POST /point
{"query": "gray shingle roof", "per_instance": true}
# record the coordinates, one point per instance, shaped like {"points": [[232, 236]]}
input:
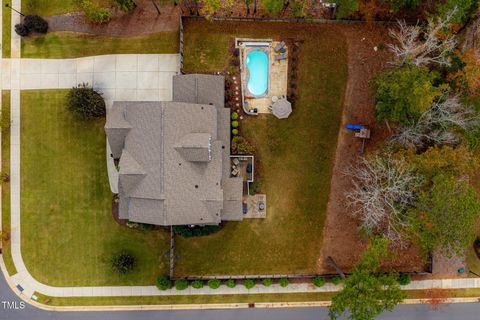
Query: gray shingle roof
{"points": [[174, 156]]}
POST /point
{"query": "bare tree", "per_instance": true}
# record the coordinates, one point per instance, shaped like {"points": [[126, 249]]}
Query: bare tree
{"points": [[423, 47], [437, 125], [383, 190]]}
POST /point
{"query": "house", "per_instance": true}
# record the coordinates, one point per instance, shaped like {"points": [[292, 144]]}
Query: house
{"points": [[174, 166]]}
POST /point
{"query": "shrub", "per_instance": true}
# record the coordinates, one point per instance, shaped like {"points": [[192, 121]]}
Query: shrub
{"points": [[396, 5], [241, 146], [181, 284], [230, 283], [95, 14], [235, 124], [123, 262], [267, 282], [346, 8], [249, 283], [86, 102], [125, 5], [21, 30], [214, 283], [235, 132], [164, 283], [36, 24], [465, 9], [254, 187], [404, 279], [283, 282], [5, 177], [234, 116], [197, 284], [196, 231], [318, 281], [336, 280]]}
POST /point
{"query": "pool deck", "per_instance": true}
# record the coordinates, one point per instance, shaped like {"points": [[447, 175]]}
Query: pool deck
{"points": [[277, 84]]}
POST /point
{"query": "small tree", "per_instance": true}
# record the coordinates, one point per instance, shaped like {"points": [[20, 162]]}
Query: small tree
{"points": [[86, 102], [123, 262], [366, 294], [404, 94], [445, 216], [164, 283]]}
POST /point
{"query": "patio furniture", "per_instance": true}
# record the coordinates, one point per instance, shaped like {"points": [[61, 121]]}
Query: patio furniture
{"points": [[236, 161], [282, 109], [280, 46], [282, 56], [274, 99]]}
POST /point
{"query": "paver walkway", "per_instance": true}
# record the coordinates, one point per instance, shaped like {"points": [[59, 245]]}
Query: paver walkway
{"points": [[123, 77]]}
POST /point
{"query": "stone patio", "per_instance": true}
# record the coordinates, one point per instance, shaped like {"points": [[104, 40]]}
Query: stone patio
{"points": [[253, 207]]}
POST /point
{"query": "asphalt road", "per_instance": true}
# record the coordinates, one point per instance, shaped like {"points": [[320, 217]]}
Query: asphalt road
{"points": [[467, 311]]}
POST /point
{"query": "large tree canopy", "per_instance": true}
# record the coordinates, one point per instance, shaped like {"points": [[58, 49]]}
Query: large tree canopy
{"points": [[445, 215], [367, 293], [403, 94]]}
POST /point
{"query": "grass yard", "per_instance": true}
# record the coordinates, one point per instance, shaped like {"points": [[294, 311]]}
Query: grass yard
{"points": [[68, 232], [5, 114], [73, 45], [6, 31], [295, 155], [53, 7]]}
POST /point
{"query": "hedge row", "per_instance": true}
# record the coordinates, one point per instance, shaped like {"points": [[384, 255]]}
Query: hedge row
{"points": [[164, 283]]}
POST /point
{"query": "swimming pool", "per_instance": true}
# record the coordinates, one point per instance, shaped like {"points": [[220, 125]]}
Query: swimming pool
{"points": [[257, 64]]}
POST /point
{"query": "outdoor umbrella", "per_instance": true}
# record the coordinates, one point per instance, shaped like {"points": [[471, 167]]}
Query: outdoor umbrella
{"points": [[282, 108]]}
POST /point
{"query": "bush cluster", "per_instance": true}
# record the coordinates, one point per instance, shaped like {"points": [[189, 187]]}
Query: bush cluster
{"points": [[249, 283], [230, 283], [241, 146], [196, 231], [125, 5], [124, 262], [336, 280], [197, 284], [164, 283], [214, 283], [404, 279], [181, 284], [95, 14], [318, 281], [86, 102], [283, 282], [267, 282], [31, 23]]}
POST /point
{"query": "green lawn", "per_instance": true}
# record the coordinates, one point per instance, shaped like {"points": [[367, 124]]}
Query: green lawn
{"points": [[5, 114], [193, 299], [6, 31], [295, 155], [72, 45], [53, 7], [68, 233], [210, 299]]}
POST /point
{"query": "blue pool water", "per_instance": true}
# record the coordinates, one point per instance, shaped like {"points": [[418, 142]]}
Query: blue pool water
{"points": [[257, 64]]}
